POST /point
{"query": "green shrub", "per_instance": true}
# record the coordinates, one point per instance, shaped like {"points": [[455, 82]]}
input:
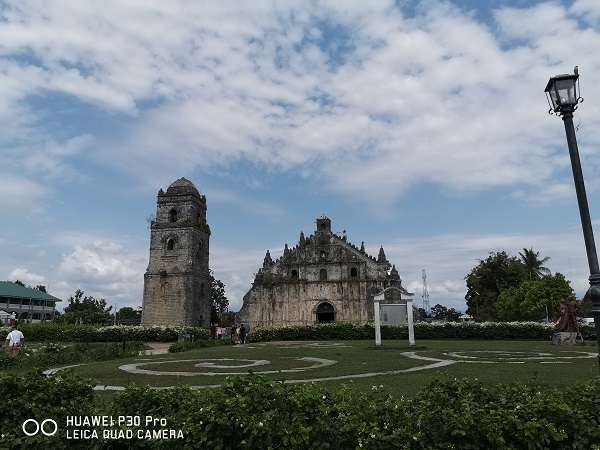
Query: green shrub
{"points": [[39, 397], [65, 354], [249, 412], [91, 333], [422, 330], [252, 413]]}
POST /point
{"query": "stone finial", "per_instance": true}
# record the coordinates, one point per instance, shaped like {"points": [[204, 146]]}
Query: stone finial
{"points": [[302, 240], [394, 273], [381, 257], [344, 236], [268, 262], [286, 250], [362, 246]]}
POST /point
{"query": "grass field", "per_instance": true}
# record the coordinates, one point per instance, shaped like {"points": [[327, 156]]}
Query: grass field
{"points": [[395, 366]]}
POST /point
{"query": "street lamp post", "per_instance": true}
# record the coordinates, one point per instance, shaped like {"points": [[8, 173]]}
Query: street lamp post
{"points": [[562, 92]]}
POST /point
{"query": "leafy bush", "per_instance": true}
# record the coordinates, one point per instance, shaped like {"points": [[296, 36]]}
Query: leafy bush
{"points": [[422, 330], [119, 333], [39, 397], [55, 355], [250, 412]]}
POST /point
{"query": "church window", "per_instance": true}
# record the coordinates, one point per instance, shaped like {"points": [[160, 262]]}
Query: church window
{"points": [[353, 272], [173, 215], [294, 274], [323, 254], [170, 244], [323, 275]]}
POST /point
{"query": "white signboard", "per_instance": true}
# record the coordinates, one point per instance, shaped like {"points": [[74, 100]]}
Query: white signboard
{"points": [[393, 314]]}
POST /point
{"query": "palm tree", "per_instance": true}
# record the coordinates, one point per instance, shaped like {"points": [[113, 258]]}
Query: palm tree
{"points": [[533, 264]]}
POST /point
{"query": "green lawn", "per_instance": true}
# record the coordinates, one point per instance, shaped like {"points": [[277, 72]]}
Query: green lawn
{"points": [[358, 363]]}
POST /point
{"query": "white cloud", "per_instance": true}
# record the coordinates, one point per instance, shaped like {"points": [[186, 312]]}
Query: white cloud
{"points": [[92, 264], [20, 197], [26, 277]]}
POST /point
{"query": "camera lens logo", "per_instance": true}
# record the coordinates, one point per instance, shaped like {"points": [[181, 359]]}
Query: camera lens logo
{"points": [[48, 427]]}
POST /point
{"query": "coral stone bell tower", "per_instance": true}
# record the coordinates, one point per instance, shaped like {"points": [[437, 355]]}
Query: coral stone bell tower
{"points": [[177, 282]]}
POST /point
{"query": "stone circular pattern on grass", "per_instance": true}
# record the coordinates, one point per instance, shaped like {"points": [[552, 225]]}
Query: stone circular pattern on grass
{"points": [[206, 363], [483, 356], [231, 363]]}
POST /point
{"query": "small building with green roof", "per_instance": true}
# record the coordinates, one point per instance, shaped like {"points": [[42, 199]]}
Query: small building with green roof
{"points": [[25, 303]]}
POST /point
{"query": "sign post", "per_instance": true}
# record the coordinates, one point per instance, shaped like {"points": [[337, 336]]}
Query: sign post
{"points": [[407, 317]]}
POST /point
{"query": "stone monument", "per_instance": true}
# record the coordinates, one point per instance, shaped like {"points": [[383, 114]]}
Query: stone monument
{"points": [[566, 330]]}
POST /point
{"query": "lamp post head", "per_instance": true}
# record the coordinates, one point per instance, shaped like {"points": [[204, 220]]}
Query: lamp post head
{"points": [[562, 92]]}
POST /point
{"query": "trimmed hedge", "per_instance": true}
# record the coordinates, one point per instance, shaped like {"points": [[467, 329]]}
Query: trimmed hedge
{"points": [[50, 354], [251, 413], [422, 330], [119, 333]]}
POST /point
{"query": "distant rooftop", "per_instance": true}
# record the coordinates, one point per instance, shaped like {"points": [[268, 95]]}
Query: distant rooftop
{"points": [[14, 290]]}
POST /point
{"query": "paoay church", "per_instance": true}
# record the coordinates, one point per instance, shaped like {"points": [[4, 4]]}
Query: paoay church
{"points": [[324, 278]]}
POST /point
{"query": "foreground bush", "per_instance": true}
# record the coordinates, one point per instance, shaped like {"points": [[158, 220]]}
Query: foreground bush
{"points": [[39, 397], [252, 413], [423, 330]]}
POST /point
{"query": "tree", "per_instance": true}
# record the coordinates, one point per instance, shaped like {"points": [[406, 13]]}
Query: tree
{"points": [[129, 315], [41, 287], [219, 302], [86, 310], [533, 264], [228, 318], [440, 312], [20, 283], [488, 280], [533, 300], [421, 314]]}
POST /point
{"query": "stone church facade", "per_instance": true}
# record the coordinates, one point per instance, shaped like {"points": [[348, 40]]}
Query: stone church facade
{"points": [[324, 278], [177, 283]]}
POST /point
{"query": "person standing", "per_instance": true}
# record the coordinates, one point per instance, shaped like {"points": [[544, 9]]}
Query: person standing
{"points": [[14, 340], [242, 334]]}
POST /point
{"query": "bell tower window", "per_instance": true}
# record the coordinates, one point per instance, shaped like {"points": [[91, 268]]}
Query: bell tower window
{"points": [[323, 275], [173, 215], [170, 244]]}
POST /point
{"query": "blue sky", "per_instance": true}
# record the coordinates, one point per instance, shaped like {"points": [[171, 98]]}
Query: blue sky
{"points": [[419, 126]]}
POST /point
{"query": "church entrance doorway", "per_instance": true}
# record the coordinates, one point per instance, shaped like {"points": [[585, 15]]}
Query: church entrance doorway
{"points": [[325, 313]]}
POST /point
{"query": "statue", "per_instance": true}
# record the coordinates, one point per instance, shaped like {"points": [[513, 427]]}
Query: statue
{"points": [[567, 322]]}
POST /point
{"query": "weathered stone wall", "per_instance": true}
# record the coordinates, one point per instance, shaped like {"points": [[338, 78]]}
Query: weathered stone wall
{"points": [[296, 303], [177, 281], [322, 274]]}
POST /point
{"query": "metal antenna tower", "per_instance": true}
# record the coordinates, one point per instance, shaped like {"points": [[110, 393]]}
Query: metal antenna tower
{"points": [[425, 294]]}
